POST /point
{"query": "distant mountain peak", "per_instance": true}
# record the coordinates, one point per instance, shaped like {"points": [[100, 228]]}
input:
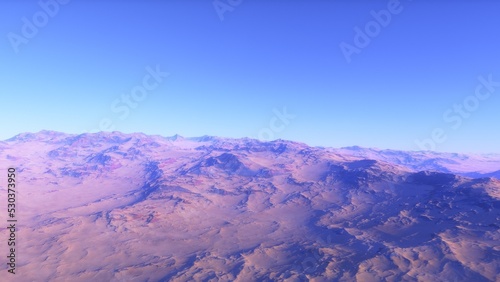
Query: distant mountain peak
{"points": [[43, 135], [176, 137]]}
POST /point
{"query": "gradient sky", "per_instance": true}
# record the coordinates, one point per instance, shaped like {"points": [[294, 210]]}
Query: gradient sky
{"points": [[227, 76]]}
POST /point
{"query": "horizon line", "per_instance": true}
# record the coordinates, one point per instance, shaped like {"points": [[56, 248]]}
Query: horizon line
{"points": [[250, 138]]}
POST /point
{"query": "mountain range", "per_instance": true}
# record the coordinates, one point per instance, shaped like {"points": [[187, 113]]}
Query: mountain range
{"points": [[111, 206]]}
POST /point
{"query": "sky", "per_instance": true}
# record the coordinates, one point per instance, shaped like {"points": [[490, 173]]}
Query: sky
{"points": [[410, 75]]}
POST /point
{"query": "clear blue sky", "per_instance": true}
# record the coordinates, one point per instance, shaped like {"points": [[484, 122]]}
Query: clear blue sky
{"points": [[227, 76]]}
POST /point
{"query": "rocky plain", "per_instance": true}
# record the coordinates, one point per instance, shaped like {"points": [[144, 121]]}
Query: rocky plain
{"points": [[136, 207]]}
